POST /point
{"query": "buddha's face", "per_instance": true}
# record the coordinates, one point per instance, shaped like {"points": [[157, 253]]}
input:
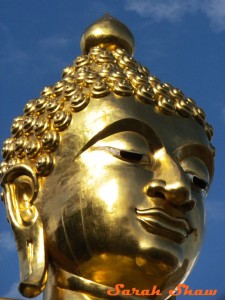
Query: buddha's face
{"points": [[125, 202]]}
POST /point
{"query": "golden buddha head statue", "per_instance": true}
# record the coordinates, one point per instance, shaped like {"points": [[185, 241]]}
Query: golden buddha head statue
{"points": [[105, 176]]}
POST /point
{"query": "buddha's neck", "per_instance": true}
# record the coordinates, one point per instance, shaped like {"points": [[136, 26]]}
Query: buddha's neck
{"points": [[66, 286], [62, 285]]}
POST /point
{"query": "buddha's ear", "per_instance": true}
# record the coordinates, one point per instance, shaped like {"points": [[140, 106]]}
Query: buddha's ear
{"points": [[20, 190]]}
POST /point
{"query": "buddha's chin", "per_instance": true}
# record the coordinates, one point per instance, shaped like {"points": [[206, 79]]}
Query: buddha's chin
{"points": [[143, 271], [158, 266], [158, 263]]}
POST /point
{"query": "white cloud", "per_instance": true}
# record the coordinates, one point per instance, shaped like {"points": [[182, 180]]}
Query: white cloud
{"points": [[10, 53], [52, 50], [215, 11], [46, 49], [14, 293], [16, 55], [7, 242], [174, 10], [170, 10], [54, 41], [215, 210]]}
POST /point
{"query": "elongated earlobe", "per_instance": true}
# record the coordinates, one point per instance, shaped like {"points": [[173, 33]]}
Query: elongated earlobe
{"points": [[20, 187]]}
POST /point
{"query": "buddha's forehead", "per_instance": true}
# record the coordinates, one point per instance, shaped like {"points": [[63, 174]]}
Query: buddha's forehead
{"points": [[172, 130]]}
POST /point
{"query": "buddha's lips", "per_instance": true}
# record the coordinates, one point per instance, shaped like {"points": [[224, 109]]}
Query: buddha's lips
{"points": [[159, 222]]}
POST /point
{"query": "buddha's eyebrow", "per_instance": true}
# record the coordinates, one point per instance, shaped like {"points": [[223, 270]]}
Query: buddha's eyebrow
{"points": [[127, 124], [197, 150]]}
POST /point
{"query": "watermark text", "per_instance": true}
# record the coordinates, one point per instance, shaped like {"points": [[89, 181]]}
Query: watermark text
{"points": [[181, 289]]}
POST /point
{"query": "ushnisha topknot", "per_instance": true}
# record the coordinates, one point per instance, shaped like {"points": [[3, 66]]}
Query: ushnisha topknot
{"points": [[105, 68]]}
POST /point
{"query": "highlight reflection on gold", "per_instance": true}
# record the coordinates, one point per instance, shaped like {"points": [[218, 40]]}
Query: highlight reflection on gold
{"points": [[109, 193]]}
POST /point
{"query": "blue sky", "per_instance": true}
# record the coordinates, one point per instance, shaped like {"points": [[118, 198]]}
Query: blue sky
{"points": [[182, 42]]}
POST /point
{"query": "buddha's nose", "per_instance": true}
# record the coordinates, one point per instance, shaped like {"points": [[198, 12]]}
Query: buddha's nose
{"points": [[170, 182]]}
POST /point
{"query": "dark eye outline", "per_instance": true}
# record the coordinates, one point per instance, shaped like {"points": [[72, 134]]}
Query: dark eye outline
{"points": [[126, 155], [198, 183]]}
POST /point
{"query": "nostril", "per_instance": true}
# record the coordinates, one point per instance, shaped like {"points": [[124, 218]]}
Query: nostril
{"points": [[158, 194], [156, 189]]}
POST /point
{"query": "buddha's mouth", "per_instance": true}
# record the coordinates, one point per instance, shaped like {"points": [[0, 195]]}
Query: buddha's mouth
{"points": [[160, 223]]}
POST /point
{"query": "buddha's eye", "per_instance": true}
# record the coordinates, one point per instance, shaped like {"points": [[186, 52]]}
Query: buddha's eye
{"points": [[129, 156], [198, 183], [134, 156]]}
